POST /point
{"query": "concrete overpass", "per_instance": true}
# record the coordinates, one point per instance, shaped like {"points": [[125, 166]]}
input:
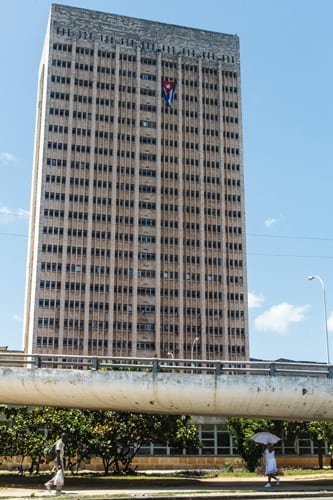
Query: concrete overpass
{"points": [[279, 390]]}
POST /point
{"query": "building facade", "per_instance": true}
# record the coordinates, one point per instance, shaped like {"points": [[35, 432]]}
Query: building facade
{"points": [[137, 230]]}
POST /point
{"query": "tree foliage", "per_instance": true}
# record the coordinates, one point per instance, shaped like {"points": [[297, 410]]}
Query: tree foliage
{"points": [[241, 430], [117, 437], [114, 437]]}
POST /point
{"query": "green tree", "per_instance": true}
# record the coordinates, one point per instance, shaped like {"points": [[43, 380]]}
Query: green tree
{"points": [[117, 437], [241, 430], [178, 433], [6, 436], [78, 425], [321, 432], [24, 431], [104, 438]]}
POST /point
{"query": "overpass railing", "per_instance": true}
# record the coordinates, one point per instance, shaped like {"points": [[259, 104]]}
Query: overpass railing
{"points": [[157, 365]]}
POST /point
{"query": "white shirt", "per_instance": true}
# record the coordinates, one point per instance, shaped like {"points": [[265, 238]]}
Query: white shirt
{"points": [[60, 446]]}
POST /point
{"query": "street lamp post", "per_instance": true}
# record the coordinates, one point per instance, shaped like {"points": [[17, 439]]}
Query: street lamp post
{"points": [[193, 344], [172, 357], [192, 351], [325, 313]]}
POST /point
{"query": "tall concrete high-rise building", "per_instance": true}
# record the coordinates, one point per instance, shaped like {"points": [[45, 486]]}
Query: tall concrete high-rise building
{"points": [[137, 233]]}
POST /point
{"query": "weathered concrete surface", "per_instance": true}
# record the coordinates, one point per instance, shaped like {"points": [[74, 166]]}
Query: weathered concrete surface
{"points": [[284, 397]]}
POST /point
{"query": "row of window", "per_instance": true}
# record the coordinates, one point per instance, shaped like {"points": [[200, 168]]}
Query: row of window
{"points": [[145, 44], [131, 138], [232, 297], [165, 174], [101, 101], [143, 188], [101, 200], [122, 344], [130, 220], [172, 224], [84, 115], [80, 82], [64, 47], [78, 343], [74, 268], [141, 309], [82, 250], [83, 148], [70, 342], [165, 328], [103, 235], [142, 273], [83, 132], [121, 203], [124, 289], [72, 323], [149, 62], [146, 327], [103, 252], [187, 259]]}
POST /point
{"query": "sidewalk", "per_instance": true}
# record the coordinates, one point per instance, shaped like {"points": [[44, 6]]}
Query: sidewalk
{"points": [[198, 489]]}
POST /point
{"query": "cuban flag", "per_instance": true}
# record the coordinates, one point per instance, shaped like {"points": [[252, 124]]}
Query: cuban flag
{"points": [[168, 89]]}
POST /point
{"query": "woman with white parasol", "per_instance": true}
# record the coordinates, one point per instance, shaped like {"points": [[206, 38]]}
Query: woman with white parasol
{"points": [[269, 454], [270, 465]]}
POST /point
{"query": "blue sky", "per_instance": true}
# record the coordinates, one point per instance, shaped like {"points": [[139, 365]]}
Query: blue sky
{"points": [[287, 73]]}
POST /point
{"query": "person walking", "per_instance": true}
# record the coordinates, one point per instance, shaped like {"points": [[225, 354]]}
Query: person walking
{"points": [[58, 479], [270, 465]]}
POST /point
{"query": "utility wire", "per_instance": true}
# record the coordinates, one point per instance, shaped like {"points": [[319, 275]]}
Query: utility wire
{"points": [[289, 237], [14, 234], [290, 255]]}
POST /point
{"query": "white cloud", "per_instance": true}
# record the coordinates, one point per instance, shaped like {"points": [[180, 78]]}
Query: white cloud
{"points": [[17, 318], [21, 212], [9, 215], [278, 318], [255, 300], [330, 322], [6, 158], [270, 222]]}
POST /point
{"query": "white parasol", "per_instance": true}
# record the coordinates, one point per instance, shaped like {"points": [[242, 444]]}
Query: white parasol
{"points": [[265, 438]]}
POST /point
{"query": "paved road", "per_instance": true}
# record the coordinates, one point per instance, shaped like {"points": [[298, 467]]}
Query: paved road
{"points": [[189, 488]]}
